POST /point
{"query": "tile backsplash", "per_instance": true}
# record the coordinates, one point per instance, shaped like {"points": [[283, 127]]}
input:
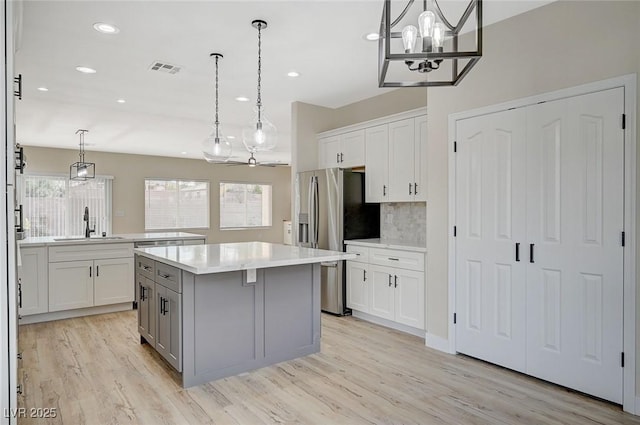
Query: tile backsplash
{"points": [[405, 221]]}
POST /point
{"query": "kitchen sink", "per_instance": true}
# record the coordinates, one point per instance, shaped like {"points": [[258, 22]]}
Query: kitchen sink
{"points": [[93, 238]]}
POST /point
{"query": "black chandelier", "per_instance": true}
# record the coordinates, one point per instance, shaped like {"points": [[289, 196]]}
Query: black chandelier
{"points": [[82, 170], [435, 45]]}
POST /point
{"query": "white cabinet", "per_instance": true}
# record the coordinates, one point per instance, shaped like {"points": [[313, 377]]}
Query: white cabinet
{"points": [[357, 286], [387, 283], [33, 285], [394, 161], [112, 282], [70, 285], [90, 275], [376, 184], [344, 150]]}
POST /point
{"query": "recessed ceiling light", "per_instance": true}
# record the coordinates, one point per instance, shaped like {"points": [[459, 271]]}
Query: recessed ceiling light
{"points": [[372, 36], [293, 74], [231, 137], [105, 28], [121, 101], [85, 70], [242, 99], [43, 89], [183, 153]]}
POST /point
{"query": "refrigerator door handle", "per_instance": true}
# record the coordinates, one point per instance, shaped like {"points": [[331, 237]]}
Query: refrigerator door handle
{"points": [[316, 211], [311, 212]]}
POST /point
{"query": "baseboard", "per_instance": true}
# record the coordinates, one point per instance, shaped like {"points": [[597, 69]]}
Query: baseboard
{"points": [[69, 314], [437, 343], [388, 323]]}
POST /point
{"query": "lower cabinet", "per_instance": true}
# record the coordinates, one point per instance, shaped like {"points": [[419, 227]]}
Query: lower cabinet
{"points": [[169, 326], [393, 293], [33, 283], [159, 290], [70, 285], [146, 308], [112, 282]]}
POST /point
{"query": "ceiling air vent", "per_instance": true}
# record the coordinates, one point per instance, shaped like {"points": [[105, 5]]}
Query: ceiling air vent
{"points": [[164, 67]]}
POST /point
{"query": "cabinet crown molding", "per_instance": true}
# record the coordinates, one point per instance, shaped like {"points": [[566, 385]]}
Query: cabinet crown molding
{"points": [[374, 122]]}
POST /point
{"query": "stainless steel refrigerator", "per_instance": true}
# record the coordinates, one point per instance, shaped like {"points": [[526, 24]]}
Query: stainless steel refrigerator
{"points": [[331, 208]]}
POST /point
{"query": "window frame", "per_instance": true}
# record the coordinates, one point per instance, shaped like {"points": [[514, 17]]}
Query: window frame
{"points": [[20, 195], [178, 180], [222, 229]]}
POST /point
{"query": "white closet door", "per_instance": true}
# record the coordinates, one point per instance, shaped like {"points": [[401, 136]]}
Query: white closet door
{"points": [[574, 221], [490, 220]]}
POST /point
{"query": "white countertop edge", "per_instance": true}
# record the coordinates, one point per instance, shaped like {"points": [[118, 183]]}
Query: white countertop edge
{"points": [[378, 243], [246, 266], [126, 238]]}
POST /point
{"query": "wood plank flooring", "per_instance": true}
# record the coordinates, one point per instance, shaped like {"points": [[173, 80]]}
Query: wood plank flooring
{"points": [[94, 371]]}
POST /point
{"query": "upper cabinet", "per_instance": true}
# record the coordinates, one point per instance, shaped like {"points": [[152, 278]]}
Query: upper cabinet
{"points": [[344, 150], [392, 149]]}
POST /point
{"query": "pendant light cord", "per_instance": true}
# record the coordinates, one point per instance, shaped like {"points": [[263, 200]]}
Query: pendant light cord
{"points": [[81, 154], [217, 121], [259, 100]]}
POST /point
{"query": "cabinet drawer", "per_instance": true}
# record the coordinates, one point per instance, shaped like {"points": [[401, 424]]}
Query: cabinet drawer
{"points": [[145, 267], [168, 276], [361, 252], [394, 258], [97, 251]]}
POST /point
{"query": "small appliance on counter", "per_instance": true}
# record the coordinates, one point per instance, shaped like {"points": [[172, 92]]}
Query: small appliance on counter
{"points": [[331, 208]]}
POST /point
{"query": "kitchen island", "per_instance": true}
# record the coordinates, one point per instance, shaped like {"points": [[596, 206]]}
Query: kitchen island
{"points": [[218, 310]]}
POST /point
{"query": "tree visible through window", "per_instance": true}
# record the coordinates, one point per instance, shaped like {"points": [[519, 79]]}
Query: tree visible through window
{"points": [[245, 205], [176, 204]]}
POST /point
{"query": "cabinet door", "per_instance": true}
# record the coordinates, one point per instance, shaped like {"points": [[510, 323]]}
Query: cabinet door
{"points": [[352, 154], [381, 292], [376, 164], [34, 283], [169, 329], [147, 309], [401, 160], [112, 282], [329, 152], [357, 286], [420, 160], [70, 285], [409, 297]]}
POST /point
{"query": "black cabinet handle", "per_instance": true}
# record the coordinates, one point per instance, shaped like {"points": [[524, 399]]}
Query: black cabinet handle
{"points": [[364, 275], [97, 271], [531, 260], [341, 157], [394, 259], [395, 281], [161, 306], [18, 226], [18, 81], [90, 272], [141, 292], [338, 158], [390, 283], [164, 301], [19, 293], [410, 189], [384, 190], [517, 251], [415, 188]]}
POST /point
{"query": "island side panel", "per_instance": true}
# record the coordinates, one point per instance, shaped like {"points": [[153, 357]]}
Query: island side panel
{"points": [[223, 320], [292, 312]]}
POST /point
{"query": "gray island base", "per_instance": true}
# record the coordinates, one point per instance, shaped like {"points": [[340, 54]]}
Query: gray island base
{"points": [[210, 323]]}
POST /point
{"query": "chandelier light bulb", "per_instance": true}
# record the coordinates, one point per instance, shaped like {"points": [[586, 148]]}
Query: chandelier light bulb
{"points": [[260, 135], [409, 37], [82, 171], [216, 147], [438, 36], [426, 20]]}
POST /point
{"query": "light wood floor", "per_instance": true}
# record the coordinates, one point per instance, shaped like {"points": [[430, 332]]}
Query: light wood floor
{"points": [[94, 371]]}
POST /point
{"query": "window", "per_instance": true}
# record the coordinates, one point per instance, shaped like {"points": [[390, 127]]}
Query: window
{"points": [[54, 205], [176, 204], [245, 205]]}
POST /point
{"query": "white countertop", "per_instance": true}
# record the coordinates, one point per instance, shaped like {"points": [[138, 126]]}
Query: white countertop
{"points": [[123, 238], [387, 243], [226, 257]]}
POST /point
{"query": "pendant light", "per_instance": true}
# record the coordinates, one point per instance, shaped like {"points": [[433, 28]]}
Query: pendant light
{"points": [[261, 134], [82, 170], [216, 147]]}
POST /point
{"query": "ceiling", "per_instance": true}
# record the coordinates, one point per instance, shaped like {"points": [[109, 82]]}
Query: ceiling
{"points": [[170, 115]]}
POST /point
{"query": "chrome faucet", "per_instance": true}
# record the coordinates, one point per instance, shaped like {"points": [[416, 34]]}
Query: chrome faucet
{"points": [[87, 230]]}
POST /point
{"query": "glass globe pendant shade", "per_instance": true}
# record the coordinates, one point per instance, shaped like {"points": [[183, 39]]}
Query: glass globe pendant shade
{"points": [[260, 135], [216, 147]]}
